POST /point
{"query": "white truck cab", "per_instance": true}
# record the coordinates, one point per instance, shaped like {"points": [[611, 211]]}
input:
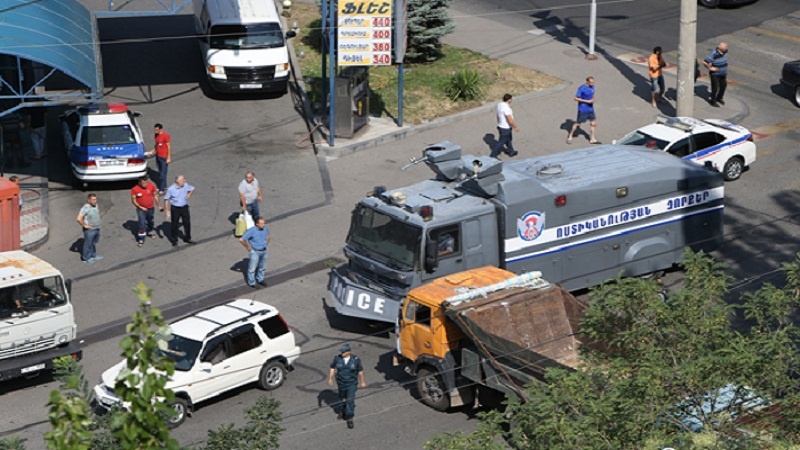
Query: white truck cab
{"points": [[243, 45], [37, 323]]}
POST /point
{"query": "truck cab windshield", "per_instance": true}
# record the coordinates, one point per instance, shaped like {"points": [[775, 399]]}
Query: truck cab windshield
{"points": [[32, 296], [263, 35], [395, 242]]}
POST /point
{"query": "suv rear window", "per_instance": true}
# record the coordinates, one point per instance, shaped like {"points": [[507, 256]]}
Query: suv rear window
{"points": [[274, 326], [244, 339]]}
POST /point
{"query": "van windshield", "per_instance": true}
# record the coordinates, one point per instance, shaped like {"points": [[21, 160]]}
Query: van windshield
{"points": [[33, 296], [262, 35]]}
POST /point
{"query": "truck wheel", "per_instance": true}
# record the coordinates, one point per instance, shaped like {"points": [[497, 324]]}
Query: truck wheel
{"points": [[797, 96], [272, 376], [733, 169], [181, 408], [431, 389]]}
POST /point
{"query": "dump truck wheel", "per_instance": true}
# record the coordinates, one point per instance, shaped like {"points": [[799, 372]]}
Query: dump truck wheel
{"points": [[432, 390]]}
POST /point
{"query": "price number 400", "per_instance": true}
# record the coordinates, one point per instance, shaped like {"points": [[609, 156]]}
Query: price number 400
{"points": [[381, 34]]}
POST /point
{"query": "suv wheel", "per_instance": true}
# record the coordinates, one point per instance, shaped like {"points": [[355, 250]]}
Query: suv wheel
{"points": [[181, 408], [272, 375]]}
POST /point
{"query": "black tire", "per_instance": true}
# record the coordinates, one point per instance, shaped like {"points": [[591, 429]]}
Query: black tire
{"points": [[709, 3], [796, 96], [733, 169], [432, 390], [272, 375], [181, 408]]}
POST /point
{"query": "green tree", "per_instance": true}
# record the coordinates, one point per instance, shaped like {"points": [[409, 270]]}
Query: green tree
{"points": [[262, 431], [662, 370], [427, 23], [141, 385]]}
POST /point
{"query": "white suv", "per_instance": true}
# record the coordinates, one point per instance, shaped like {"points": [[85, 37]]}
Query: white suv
{"points": [[219, 349]]}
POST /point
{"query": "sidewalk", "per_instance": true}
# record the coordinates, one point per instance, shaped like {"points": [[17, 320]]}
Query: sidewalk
{"points": [[622, 86]]}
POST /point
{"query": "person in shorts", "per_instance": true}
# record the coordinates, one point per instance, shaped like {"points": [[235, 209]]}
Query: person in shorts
{"points": [[585, 99]]}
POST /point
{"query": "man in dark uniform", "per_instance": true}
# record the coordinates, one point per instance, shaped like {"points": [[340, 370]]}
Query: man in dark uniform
{"points": [[349, 371]]}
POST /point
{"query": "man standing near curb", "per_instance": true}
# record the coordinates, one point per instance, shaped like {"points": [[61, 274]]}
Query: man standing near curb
{"points": [[89, 220], [349, 371], [163, 152], [176, 204], [144, 198], [256, 240], [656, 63], [717, 65], [505, 121]]}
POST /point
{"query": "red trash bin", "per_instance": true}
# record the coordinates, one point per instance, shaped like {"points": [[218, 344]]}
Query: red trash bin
{"points": [[9, 215]]}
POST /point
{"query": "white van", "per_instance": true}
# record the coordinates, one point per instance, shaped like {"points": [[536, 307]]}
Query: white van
{"points": [[243, 45]]}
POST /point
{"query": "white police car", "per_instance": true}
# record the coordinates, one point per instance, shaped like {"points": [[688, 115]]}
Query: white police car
{"points": [[728, 147], [104, 142], [216, 350]]}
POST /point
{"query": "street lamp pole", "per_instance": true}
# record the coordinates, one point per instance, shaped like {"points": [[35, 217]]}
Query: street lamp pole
{"points": [[687, 58], [592, 29]]}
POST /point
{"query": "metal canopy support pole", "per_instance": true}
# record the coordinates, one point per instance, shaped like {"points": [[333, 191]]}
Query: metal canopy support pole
{"points": [[331, 70]]}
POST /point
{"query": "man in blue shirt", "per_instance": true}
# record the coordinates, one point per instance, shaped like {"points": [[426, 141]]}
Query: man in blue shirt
{"points": [[176, 203], [717, 65], [585, 99], [255, 240]]}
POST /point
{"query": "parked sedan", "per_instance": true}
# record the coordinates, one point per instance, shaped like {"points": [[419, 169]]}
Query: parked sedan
{"points": [[790, 78], [725, 146], [715, 3]]}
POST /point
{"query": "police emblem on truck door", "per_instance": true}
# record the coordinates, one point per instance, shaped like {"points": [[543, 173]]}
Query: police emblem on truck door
{"points": [[530, 226]]}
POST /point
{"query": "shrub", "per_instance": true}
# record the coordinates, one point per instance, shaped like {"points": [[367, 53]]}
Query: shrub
{"points": [[466, 84]]}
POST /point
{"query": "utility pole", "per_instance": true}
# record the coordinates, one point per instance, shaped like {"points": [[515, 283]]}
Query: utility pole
{"points": [[592, 30], [687, 57]]}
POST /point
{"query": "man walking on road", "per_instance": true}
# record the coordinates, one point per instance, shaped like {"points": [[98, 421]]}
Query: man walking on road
{"points": [[250, 195], [256, 240], [176, 203], [717, 65], [144, 198], [163, 153], [89, 219], [656, 63], [349, 371], [505, 122], [585, 99]]}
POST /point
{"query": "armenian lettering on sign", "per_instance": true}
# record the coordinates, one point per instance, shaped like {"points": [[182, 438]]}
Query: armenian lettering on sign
{"points": [[365, 33]]}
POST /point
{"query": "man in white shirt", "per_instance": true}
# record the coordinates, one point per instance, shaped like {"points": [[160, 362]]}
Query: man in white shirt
{"points": [[505, 122], [250, 195]]}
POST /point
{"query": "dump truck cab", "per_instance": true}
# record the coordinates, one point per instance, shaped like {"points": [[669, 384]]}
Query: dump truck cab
{"points": [[485, 328]]}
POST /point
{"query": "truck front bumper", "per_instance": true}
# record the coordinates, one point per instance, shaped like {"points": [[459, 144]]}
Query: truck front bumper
{"points": [[351, 299], [31, 364]]}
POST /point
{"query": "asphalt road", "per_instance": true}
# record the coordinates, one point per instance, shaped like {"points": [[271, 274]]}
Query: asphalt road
{"points": [[640, 24], [216, 140]]}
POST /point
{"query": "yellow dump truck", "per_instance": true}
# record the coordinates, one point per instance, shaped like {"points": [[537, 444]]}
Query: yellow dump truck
{"points": [[486, 329]]}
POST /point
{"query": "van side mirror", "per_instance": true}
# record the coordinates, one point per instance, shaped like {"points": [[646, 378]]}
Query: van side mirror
{"points": [[431, 255], [290, 34], [68, 284]]}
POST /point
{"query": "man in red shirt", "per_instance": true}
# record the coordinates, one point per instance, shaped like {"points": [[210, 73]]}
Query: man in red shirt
{"points": [[144, 198], [163, 152]]}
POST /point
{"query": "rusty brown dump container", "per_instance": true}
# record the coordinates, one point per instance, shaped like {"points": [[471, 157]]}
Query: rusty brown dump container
{"points": [[523, 330]]}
